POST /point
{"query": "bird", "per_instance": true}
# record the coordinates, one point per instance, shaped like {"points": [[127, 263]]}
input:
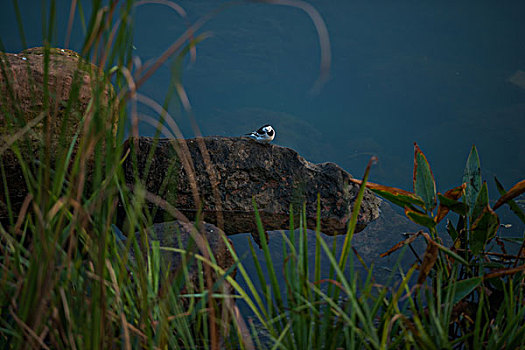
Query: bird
{"points": [[264, 134]]}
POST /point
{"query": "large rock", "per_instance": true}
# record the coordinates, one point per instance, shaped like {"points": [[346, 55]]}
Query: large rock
{"points": [[275, 177], [24, 108], [70, 80]]}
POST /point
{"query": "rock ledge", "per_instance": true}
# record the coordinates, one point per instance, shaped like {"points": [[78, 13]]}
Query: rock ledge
{"points": [[276, 177]]}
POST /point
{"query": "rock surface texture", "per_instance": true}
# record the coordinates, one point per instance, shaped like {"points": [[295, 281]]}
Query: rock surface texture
{"points": [[27, 107], [241, 169], [70, 84]]}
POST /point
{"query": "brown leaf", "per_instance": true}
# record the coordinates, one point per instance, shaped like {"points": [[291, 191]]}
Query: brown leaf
{"points": [[503, 272], [442, 212], [374, 186], [361, 260], [429, 259], [515, 191], [401, 244], [501, 245], [395, 195], [454, 193]]}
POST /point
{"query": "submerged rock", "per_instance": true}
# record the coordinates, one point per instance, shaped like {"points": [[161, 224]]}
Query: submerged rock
{"points": [[518, 79], [181, 235], [240, 172]]}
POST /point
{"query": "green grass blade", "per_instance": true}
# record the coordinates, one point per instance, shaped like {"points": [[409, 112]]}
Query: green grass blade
{"points": [[353, 219]]}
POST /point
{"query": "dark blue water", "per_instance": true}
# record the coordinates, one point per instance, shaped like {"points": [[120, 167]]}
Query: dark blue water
{"points": [[438, 73]]}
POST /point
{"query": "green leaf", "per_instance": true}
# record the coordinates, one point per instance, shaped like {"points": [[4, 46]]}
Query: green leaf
{"points": [[449, 201], [461, 226], [463, 288], [451, 230], [483, 229], [453, 255], [472, 177], [420, 218], [454, 205], [354, 216], [481, 202], [497, 283], [154, 266], [424, 184]]}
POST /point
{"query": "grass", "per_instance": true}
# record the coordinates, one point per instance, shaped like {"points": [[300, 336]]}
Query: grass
{"points": [[67, 279]]}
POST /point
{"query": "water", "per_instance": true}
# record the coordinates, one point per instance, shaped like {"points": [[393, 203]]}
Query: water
{"points": [[435, 73], [438, 73]]}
